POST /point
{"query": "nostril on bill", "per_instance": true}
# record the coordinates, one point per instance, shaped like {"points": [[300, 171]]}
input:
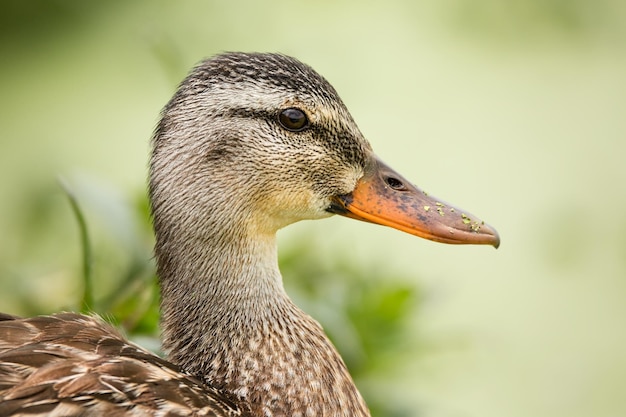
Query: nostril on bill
{"points": [[395, 183]]}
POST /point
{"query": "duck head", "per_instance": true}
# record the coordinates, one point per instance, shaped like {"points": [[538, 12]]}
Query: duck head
{"points": [[262, 141]]}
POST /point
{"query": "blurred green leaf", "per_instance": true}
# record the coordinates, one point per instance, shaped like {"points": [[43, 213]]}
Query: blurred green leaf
{"points": [[87, 299]]}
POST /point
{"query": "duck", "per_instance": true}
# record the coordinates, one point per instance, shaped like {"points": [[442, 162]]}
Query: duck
{"points": [[248, 144]]}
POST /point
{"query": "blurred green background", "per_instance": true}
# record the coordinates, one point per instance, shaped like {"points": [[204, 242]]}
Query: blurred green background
{"points": [[515, 111]]}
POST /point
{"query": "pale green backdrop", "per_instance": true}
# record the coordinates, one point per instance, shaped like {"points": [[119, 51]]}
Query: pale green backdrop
{"points": [[515, 111]]}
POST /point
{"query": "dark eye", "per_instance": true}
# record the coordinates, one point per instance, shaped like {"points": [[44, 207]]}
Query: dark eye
{"points": [[293, 119]]}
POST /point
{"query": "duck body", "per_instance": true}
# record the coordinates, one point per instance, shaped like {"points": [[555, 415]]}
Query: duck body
{"points": [[250, 143]]}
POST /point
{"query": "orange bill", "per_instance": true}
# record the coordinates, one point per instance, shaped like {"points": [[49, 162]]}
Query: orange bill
{"points": [[384, 197]]}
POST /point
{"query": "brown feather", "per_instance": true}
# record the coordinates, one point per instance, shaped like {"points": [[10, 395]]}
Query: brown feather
{"points": [[48, 363]]}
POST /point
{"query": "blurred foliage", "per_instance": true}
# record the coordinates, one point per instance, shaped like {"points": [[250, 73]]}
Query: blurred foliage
{"points": [[34, 17], [365, 311], [496, 20], [529, 20]]}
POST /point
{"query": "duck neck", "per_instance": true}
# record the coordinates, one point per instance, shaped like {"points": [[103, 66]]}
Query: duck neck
{"points": [[227, 319]]}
